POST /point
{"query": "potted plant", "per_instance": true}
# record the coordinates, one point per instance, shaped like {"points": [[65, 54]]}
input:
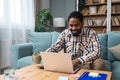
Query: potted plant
{"points": [[81, 4], [44, 21]]}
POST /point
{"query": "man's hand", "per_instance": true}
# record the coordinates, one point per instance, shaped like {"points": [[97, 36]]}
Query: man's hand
{"points": [[75, 62]]}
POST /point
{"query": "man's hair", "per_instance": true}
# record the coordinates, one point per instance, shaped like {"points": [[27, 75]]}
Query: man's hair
{"points": [[76, 14]]}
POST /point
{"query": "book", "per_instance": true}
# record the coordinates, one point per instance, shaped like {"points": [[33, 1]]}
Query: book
{"points": [[116, 21], [105, 22], [85, 22], [113, 9], [118, 18], [113, 22], [102, 9], [85, 76], [85, 11], [104, 30], [117, 8], [115, 0]]}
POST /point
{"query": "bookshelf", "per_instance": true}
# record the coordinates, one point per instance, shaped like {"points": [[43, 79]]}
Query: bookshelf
{"points": [[115, 15], [99, 17]]}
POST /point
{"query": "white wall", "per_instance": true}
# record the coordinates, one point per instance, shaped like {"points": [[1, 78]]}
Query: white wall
{"points": [[62, 8]]}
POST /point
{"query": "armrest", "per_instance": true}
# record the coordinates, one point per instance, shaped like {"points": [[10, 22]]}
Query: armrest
{"points": [[19, 51]]}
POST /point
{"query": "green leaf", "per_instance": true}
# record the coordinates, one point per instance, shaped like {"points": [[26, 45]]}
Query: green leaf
{"points": [[44, 21]]}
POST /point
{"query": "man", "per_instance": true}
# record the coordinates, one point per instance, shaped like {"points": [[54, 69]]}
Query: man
{"points": [[81, 42]]}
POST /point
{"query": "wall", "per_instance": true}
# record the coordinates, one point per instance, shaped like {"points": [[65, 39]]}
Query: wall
{"points": [[62, 8], [45, 4]]}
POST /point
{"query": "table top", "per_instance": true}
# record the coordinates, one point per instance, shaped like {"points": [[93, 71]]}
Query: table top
{"points": [[33, 72]]}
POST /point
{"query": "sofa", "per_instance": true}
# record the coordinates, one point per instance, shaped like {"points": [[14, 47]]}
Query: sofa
{"points": [[40, 41]]}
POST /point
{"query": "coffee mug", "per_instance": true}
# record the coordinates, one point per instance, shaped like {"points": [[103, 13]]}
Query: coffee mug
{"points": [[36, 58]]}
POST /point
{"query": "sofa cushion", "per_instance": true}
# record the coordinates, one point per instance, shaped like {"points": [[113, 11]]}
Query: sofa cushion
{"points": [[116, 70], [54, 36], [103, 45], [116, 51], [113, 40], [41, 40], [108, 66], [24, 61], [116, 66]]}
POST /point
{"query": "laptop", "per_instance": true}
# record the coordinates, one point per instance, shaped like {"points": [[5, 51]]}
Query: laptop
{"points": [[60, 62]]}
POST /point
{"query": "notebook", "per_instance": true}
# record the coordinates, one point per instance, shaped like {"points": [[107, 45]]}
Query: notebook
{"points": [[85, 76], [60, 62]]}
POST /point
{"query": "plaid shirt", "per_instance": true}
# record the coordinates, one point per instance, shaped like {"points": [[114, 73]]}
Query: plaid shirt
{"points": [[85, 47]]}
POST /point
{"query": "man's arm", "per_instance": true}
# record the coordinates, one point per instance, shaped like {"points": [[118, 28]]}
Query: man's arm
{"points": [[95, 53], [58, 46]]}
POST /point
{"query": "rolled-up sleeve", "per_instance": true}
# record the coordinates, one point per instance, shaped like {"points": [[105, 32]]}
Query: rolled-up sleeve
{"points": [[93, 51]]}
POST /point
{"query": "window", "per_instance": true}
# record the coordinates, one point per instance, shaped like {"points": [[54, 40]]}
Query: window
{"points": [[1, 9], [15, 11]]}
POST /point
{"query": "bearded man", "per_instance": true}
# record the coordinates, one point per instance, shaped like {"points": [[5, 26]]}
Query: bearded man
{"points": [[82, 43]]}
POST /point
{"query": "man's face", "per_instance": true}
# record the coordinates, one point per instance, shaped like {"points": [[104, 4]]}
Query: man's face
{"points": [[75, 26]]}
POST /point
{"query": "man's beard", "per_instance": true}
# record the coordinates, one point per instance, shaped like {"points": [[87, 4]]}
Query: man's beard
{"points": [[75, 32]]}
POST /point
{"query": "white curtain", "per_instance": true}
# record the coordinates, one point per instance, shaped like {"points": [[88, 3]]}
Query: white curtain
{"points": [[17, 18]]}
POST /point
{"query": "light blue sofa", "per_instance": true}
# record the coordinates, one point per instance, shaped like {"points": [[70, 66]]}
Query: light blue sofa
{"points": [[40, 41]]}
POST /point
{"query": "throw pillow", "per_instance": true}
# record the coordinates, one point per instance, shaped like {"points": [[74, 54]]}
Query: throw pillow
{"points": [[113, 40], [116, 51], [54, 36], [40, 40]]}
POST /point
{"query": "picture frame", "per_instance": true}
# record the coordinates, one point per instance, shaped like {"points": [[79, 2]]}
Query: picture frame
{"points": [[99, 22], [89, 22], [92, 9]]}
